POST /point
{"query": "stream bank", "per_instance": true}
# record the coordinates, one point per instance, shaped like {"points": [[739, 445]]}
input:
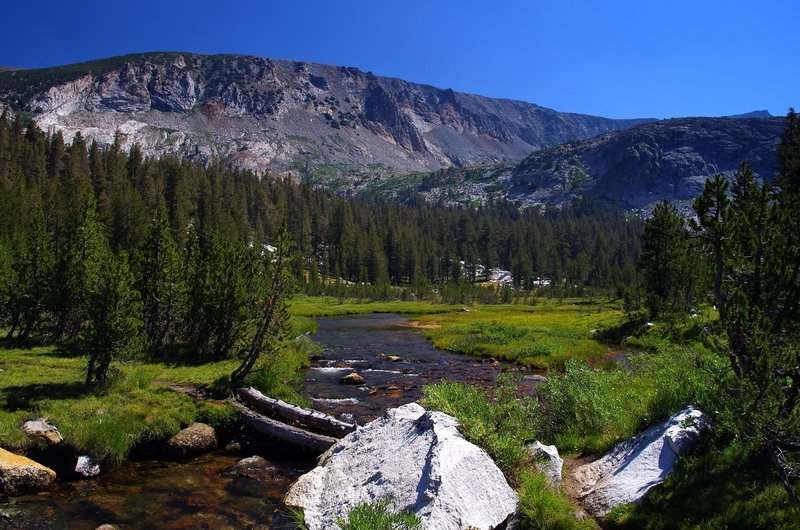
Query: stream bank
{"points": [[395, 362]]}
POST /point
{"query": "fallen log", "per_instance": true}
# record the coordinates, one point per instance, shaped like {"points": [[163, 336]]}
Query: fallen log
{"points": [[293, 435], [280, 409]]}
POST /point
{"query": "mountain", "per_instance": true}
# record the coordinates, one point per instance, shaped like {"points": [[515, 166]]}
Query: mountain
{"points": [[640, 166], [284, 116], [634, 168], [753, 114]]}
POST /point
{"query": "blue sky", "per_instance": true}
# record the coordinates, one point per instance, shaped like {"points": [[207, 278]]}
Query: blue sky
{"points": [[620, 59]]}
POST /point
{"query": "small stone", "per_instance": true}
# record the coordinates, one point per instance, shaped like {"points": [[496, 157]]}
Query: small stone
{"points": [[42, 429], [87, 467], [196, 439], [535, 379], [352, 379], [252, 467], [106, 527], [394, 358]]}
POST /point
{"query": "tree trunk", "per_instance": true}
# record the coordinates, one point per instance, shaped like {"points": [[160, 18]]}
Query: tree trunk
{"points": [[285, 411], [308, 440]]}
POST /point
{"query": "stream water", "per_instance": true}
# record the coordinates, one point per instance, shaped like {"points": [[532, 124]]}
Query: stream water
{"points": [[395, 362]]}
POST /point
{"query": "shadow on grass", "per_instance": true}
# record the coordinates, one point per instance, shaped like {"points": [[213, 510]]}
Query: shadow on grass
{"points": [[176, 356], [15, 398]]}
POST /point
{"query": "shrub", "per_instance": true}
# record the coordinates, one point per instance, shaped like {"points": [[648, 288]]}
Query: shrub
{"points": [[495, 421]]}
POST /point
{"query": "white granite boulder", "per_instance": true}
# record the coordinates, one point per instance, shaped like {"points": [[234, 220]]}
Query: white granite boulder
{"points": [[547, 461], [419, 461], [87, 467], [627, 473]]}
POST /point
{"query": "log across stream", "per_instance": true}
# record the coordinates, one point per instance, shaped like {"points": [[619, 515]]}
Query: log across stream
{"points": [[395, 362]]}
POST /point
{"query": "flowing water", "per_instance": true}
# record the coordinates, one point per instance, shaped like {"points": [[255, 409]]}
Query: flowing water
{"points": [[395, 362]]}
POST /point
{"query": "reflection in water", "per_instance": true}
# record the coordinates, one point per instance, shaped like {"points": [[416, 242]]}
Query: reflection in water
{"points": [[395, 363]]}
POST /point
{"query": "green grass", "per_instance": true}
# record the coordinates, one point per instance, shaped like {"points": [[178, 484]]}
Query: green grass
{"points": [[720, 487], [543, 508], [141, 402], [496, 421], [378, 516], [328, 306], [47, 382], [540, 336]]}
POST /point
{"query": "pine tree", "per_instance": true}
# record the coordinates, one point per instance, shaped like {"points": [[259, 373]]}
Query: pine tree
{"points": [[161, 283], [77, 270], [663, 261], [273, 325], [114, 318]]}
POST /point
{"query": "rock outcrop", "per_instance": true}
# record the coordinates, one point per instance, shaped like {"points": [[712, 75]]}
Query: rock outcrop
{"points": [[19, 475], [642, 165], [196, 439], [627, 473], [418, 460], [264, 114]]}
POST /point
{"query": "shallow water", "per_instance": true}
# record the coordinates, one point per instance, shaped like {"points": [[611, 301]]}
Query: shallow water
{"points": [[370, 346], [199, 494]]}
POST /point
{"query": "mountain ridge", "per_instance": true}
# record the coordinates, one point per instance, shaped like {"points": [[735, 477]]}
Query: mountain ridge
{"points": [[286, 116]]}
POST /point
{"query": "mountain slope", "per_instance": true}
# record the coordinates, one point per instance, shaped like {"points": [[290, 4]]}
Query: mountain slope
{"points": [[642, 165], [634, 168], [306, 118]]}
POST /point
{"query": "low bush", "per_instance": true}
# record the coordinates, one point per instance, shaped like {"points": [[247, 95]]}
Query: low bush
{"points": [[495, 420]]}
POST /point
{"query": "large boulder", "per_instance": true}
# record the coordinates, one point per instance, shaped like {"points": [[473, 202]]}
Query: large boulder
{"points": [[627, 473], [42, 429], [419, 461], [19, 475], [196, 439]]}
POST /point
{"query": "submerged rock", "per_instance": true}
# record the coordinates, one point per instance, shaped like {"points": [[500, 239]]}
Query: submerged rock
{"points": [[196, 439], [19, 475], [42, 429], [418, 460], [548, 461], [352, 379], [634, 466]]}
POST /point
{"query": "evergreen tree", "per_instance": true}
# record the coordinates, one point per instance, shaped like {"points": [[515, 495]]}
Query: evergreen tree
{"points": [[114, 318], [161, 283], [77, 270], [273, 325], [753, 240], [663, 261]]}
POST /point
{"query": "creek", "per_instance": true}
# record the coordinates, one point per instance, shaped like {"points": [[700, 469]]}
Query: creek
{"points": [[395, 362]]}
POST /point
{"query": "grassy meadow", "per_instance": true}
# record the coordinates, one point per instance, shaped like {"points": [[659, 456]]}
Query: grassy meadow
{"points": [[542, 335]]}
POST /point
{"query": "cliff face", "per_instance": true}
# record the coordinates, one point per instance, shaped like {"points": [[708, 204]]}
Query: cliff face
{"points": [[286, 116], [640, 166]]}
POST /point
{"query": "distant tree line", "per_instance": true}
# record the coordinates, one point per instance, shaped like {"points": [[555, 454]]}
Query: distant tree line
{"points": [[127, 253]]}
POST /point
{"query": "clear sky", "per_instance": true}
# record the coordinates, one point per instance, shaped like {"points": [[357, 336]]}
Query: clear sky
{"points": [[614, 58]]}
